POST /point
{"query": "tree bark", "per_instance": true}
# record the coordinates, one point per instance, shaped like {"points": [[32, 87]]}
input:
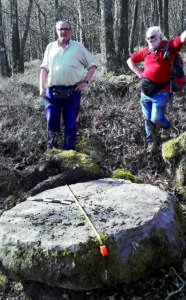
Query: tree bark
{"points": [[55, 18], [5, 70], [123, 52], [18, 45], [81, 23], [134, 20], [15, 37], [107, 36], [43, 36], [116, 22], [166, 19], [23, 41], [160, 14], [156, 17]]}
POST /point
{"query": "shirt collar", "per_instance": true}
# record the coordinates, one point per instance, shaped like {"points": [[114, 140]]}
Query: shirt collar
{"points": [[67, 44]]}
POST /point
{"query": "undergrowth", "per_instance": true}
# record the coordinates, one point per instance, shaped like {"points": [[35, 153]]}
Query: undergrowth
{"points": [[110, 111]]}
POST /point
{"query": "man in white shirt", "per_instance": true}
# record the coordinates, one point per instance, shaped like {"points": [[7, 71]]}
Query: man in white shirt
{"points": [[63, 65]]}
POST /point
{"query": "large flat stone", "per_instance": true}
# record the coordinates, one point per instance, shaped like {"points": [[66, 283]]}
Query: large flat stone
{"points": [[142, 227]]}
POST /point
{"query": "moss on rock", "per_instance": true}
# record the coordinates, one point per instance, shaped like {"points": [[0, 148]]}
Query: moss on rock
{"points": [[181, 173], [121, 77], [7, 252], [182, 191], [85, 267], [72, 159], [180, 220], [123, 174], [91, 146], [174, 147], [3, 280], [149, 255]]}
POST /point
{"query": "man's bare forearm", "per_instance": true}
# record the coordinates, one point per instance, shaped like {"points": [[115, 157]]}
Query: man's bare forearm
{"points": [[134, 68], [43, 76], [90, 73]]}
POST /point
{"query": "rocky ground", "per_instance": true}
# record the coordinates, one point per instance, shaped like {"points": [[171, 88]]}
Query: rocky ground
{"points": [[110, 113]]}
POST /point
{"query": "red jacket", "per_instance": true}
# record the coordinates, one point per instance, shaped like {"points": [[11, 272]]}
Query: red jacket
{"points": [[155, 67]]}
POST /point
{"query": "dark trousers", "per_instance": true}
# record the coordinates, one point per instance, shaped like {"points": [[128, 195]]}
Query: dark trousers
{"points": [[69, 109]]}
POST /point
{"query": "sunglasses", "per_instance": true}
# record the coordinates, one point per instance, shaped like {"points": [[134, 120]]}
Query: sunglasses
{"points": [[151, 37], [64, 29]]}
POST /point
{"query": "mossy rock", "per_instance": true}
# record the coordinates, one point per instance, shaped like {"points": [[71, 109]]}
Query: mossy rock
{"points": [[3, 280], [121, 77], [86, 267], [123, 174], [182, 191], [181, 173], [92, 147], [72, 159], [174, 147]]}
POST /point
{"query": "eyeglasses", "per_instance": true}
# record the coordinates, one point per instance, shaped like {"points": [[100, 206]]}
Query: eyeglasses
{"points": [[151, 37], [64, 29]]}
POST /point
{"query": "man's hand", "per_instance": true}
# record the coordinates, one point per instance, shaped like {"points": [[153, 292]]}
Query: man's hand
{"points": [[42, 93], [80, 86], [183, 37]]}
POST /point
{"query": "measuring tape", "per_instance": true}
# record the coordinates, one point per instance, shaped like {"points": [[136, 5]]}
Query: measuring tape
{"points": [[103, 248]]}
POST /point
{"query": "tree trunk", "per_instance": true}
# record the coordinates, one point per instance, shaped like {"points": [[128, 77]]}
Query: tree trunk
{"points": [[5, 70], [98, 7], [134, 19], [160, 14], [107, 36], [81, 23], [156, 22], [55, 18], [18, 45], [43, 36], [23, 41], [142, 28], [15, 37], [166, 24], [123, 52], [117, 22], [182, 15]]}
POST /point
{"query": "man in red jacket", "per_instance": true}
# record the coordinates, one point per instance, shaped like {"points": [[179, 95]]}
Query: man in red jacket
{"points": [[156, 70]]}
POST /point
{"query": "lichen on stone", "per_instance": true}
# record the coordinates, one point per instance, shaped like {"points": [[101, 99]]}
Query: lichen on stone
{"points": [[73, 159], [123, 174]]}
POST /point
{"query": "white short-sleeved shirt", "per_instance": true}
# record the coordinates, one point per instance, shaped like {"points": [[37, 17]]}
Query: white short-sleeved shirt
{"points": [[66, 66]]}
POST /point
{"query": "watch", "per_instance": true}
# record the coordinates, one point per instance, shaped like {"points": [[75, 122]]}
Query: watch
{"points": [[86, 80]]}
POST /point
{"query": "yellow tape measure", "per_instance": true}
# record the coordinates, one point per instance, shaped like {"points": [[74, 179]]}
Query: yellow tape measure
{"points": [[103, 248]]}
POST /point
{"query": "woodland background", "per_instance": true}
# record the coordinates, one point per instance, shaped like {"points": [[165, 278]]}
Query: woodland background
{"points": [[114, 28]]}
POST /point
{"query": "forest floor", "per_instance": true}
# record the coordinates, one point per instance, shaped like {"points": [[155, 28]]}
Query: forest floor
{"points": [[110, 112]]}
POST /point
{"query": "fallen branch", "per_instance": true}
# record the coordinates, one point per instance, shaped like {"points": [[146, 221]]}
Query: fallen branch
{"points": [[180, 289]]}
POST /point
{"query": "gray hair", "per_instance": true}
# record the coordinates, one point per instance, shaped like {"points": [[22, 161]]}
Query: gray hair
{"points": [[62, 22], [158, 31]]}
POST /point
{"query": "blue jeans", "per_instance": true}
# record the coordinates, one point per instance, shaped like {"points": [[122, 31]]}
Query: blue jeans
{"points": [[153, 109], [70, 109]]}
